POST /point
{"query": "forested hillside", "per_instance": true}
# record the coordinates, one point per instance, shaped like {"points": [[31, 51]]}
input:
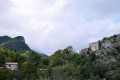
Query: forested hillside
{"points": [[16, 44], [100, 64]]}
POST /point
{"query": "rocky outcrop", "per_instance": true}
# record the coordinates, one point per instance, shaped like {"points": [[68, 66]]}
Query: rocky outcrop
{"points": [[20, 38], [106, 44], [103, 46], [84, 51]]}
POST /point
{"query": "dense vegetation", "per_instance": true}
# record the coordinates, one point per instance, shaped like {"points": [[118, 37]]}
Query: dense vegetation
{"points": [[66, 64], [16, 45], [62, 65], [4, 39]]}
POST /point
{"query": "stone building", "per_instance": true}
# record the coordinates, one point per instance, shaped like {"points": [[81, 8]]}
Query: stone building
{"points": [[94, 46], [11, 65]]}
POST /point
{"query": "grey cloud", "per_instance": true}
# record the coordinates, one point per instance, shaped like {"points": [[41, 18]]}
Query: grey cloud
{"points": [[95, 9], [4, 5], [108, 7]]}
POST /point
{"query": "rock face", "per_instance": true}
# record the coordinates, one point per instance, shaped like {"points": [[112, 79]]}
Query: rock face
{"points": [[108, 43], [20, 38], [85, 51]]}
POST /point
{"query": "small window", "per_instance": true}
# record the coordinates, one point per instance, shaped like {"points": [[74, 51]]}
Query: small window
{"points": [[9, 65]]}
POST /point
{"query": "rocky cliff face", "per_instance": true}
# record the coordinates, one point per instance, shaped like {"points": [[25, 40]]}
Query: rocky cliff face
{"points": [[110, 42], [107, 44], [20, 38]]}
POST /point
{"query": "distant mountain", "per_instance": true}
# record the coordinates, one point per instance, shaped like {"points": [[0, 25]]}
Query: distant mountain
{"points": [[44, 54], [16, 44], [4, 39]]}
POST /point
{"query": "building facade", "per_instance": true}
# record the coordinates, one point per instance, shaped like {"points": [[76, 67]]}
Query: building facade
{"points": [[11, 65], [94, 46]]}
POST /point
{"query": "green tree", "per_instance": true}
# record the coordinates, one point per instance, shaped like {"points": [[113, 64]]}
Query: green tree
{"points": [[2, 59], [4, 74], [28, 70], [12, 55], [56, 60], [45, 61], [77, 60], [34, 58], [22, 59], [97, 77]]}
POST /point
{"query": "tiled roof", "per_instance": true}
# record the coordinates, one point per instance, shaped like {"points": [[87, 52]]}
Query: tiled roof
{"points": [[11, 63]]}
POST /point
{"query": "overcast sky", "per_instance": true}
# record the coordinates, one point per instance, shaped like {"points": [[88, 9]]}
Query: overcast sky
{"points": [[49, 25]]}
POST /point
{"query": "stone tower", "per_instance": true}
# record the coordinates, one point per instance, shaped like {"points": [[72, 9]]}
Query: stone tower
{"points": [[94, 46]]}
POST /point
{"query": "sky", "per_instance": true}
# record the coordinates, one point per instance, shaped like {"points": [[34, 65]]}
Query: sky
{"points": [[49, 25]]}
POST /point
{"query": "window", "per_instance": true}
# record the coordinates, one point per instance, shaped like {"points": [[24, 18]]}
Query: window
{"points": [[9, 65]]}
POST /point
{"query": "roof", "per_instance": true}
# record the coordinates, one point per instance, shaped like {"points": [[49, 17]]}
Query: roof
{"points": [[12, 63]]}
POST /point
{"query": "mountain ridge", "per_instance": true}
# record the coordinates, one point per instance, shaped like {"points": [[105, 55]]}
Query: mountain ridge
{"points": [[16, 44]]}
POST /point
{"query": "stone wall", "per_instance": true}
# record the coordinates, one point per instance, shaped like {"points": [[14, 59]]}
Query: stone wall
{"points": [[9, 66], [94, 46]]}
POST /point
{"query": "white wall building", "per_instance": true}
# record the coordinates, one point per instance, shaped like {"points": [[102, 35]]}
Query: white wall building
{"points": [[11, 65]]}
